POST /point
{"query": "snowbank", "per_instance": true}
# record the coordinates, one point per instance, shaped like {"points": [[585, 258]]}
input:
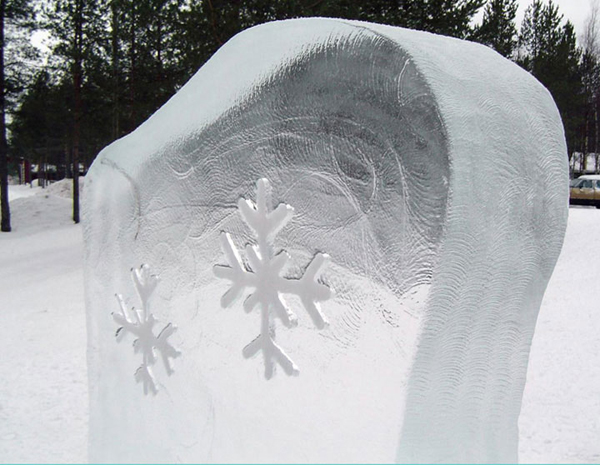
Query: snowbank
{"points": [[22, 190], [64, 188]]}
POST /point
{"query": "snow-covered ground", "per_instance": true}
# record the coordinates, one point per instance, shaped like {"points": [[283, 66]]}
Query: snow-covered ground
{"points": [[43, 385], [43, 391], [560, 417]]}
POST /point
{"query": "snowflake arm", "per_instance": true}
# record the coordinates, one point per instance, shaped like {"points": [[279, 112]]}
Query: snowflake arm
{"points": [[165, 349], [310, 291], [271, 353], [124, 319], [145, 283], [265, 224], [236, 273], [144, 376]]}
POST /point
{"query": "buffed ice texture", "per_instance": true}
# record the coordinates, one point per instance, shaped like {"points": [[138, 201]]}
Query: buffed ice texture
{"points": [[432, 173]]}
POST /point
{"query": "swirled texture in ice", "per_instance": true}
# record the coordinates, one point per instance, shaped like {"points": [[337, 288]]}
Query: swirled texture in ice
{"points": [[430, 170]]}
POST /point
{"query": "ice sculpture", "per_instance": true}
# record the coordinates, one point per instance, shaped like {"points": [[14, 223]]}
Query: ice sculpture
{"points": [[431, 170]]}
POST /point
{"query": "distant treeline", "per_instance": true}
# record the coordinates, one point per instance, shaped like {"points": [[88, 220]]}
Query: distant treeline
{"points": [[113, 63]]}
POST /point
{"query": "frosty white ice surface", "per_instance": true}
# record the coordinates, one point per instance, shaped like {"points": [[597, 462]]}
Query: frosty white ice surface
{"points": [[431, 170]]}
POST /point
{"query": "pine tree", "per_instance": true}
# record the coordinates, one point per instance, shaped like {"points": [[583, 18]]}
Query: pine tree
{"points": [[145, 52], [115, 62], [590, 71], [15, 14], [446, 17], [79, 26], [548, 50], [498, 30], [539, 34], [41, 125]]}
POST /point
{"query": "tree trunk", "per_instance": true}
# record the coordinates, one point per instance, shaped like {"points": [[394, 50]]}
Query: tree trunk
{"points": [[44, 172], [159, 73], [116, 129], [586, 144], [5, 227], [77, 104], [596, 135], [68, 162], [213, 23], [132, 70]]}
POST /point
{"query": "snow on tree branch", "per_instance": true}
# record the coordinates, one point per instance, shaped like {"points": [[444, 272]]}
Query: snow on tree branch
{"points": [[140, 323], [264, 277]]}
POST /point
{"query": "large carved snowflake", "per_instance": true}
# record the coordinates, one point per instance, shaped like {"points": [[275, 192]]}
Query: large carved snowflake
{"points": [[264, 276], [140, 323]]}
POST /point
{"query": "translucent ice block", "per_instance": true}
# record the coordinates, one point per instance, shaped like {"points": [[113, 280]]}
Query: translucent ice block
{"points": [[417, 189]]}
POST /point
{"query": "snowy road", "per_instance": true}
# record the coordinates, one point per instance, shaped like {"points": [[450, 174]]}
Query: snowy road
{"points": [[43, 392], [560, 417]]}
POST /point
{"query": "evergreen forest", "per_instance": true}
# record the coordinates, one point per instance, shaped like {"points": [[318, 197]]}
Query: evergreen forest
{"points": [[112, 63]]}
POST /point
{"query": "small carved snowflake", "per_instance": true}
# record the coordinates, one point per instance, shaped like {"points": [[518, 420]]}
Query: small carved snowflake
{"points": [[140, 323], [264, 276]]}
